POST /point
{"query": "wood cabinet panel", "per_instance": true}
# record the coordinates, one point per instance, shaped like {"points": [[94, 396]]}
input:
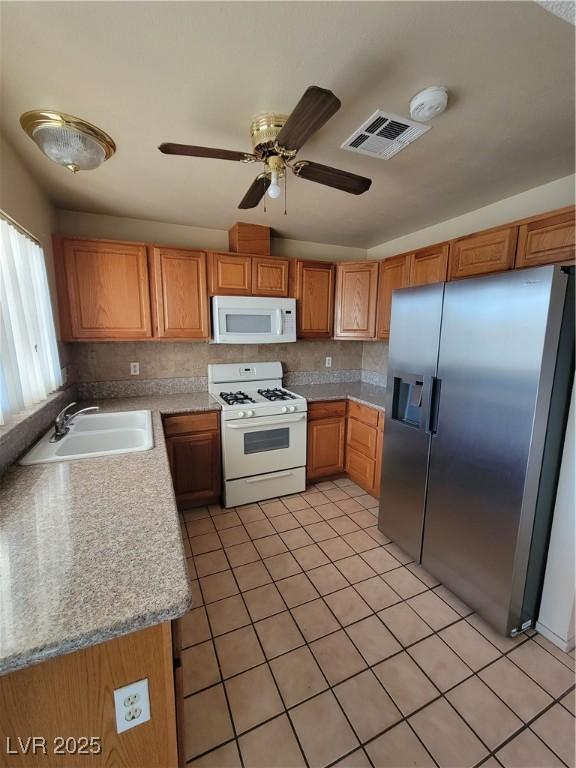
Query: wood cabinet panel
{"points": [[71, 695], [249, 238], [195, 466], [188, 423], [363, 413], [269, 276], [180, 293], [313, 289], [548, 240], [360, 468], [482, 253], [362, 438], [394, 274], [230, 274], [356, 292], [106, 292], [429, 265], [325, 447], [326, 409]]}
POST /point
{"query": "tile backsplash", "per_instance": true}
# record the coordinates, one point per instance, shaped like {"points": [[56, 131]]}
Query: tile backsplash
{"points": [[103, 368]]}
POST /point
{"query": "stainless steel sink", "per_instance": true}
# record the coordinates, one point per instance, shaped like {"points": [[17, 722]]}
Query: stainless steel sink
{"points": [[99, 434]]}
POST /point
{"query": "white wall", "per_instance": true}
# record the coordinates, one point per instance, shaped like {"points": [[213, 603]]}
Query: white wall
{"points": [[76, 224], [556, 619], [555, 194]]}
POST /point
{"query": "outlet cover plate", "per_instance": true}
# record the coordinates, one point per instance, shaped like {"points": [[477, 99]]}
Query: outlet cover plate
{"points": [[139, 689]]}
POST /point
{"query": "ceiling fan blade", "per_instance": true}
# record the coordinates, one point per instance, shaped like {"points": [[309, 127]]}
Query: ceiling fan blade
{"points": [[169, 148], [256, 192], [332, 177], [315, 108]]}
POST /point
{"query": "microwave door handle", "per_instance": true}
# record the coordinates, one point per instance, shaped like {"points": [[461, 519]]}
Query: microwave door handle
{"points": [[278, 322], [269, 424]]}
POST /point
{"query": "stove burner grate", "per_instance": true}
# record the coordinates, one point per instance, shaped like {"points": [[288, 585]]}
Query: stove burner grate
{"points": [[276, 394], [236, 398]]}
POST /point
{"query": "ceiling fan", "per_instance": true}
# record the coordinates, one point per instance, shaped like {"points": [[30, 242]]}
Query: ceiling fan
{"points": [[276, 139]]}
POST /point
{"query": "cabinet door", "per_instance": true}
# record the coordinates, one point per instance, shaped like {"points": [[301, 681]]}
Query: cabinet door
{"points": [[485, 252], [314, 292], [269, 276], [230, 274], [360, 468], [429, 265], [394, 273], [356, 291], [106, 291], [180, 294], [325, 448], [195, 465], [548, 240]]}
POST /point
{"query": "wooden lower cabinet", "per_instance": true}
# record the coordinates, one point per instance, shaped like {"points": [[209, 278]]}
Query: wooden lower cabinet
{"points": [[72, 696], [364, 440], [326, 438], [193, 445]]}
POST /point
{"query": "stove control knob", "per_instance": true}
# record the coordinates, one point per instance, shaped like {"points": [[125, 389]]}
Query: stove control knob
{"points": [[284, 409], [250, 413], [292, 408], [240, 414]]}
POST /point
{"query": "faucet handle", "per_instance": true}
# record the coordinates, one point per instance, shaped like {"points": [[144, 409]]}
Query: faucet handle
{"points": [[63, 411]]}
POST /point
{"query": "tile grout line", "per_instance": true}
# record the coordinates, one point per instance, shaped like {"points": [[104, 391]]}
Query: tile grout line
{"points": [[461, 617]]}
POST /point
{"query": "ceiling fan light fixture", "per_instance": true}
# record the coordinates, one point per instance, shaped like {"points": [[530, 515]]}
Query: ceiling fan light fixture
{"points": [[68, 140]]}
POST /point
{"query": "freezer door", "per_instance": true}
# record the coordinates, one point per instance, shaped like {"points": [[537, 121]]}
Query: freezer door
{"points": [[413, 356], [496, 363]]}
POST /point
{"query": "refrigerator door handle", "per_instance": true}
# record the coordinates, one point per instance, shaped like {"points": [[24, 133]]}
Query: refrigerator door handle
{"points": [[433, 405]]}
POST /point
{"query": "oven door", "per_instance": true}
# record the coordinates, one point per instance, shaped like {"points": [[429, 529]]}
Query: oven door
{"points": [[259, 445]]}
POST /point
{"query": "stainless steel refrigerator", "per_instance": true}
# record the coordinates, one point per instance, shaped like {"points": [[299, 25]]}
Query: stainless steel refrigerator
{"points": [[478, 389]]}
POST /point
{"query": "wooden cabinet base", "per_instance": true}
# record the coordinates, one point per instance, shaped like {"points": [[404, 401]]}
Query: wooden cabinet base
{"points": [[72, 696]]}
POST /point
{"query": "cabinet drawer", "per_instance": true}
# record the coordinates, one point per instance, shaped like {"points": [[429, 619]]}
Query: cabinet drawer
{"points": [[363, 413], [360, 468], [326, 409], [191, 422], [362, 438]]}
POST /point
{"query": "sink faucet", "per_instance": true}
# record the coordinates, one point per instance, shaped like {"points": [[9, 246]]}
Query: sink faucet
{"points": [[63, 421]]}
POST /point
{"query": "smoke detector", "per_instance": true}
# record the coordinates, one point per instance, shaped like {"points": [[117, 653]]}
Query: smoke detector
{"points": [[429, 103]]}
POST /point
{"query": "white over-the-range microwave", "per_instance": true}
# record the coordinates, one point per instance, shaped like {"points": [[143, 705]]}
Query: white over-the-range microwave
{"points": [[253, 320]]}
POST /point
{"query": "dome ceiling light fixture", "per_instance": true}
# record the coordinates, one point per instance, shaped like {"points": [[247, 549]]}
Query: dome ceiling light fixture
{"points": [[68, 140]]}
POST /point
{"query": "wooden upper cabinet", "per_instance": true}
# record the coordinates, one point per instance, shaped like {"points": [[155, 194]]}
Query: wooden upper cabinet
{"points": [[429, 265], [313, 289], [356, 291], [547, 240], [394, 273], [180, 294], [103, 290], [269, 276], [482, 253], [230, 274]]}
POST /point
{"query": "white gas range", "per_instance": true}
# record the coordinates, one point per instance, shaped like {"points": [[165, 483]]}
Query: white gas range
{"points": [[263, 432]]}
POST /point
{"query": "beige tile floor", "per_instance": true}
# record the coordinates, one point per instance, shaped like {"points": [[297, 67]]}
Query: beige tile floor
{"points": [[315, 641]]}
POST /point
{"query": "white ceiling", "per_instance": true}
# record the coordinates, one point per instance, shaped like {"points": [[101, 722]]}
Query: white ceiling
{"points": [[193, 72]]}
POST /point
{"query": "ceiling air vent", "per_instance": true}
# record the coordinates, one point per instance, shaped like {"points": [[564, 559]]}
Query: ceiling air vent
{"points": [[383, 135]]}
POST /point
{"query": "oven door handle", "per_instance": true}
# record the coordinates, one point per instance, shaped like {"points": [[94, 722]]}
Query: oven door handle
{"points": [[250, 425]]}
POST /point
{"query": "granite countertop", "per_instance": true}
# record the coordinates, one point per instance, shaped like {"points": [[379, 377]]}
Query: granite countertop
{"points": [[367, 394], [91, 549]]}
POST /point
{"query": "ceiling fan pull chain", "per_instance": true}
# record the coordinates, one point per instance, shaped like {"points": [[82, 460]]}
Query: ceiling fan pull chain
{"points": [[285, 187]]}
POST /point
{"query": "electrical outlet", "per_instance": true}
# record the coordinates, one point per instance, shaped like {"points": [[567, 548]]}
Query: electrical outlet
{"points": [[328, 362], [135, 369], [132, 705]]}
